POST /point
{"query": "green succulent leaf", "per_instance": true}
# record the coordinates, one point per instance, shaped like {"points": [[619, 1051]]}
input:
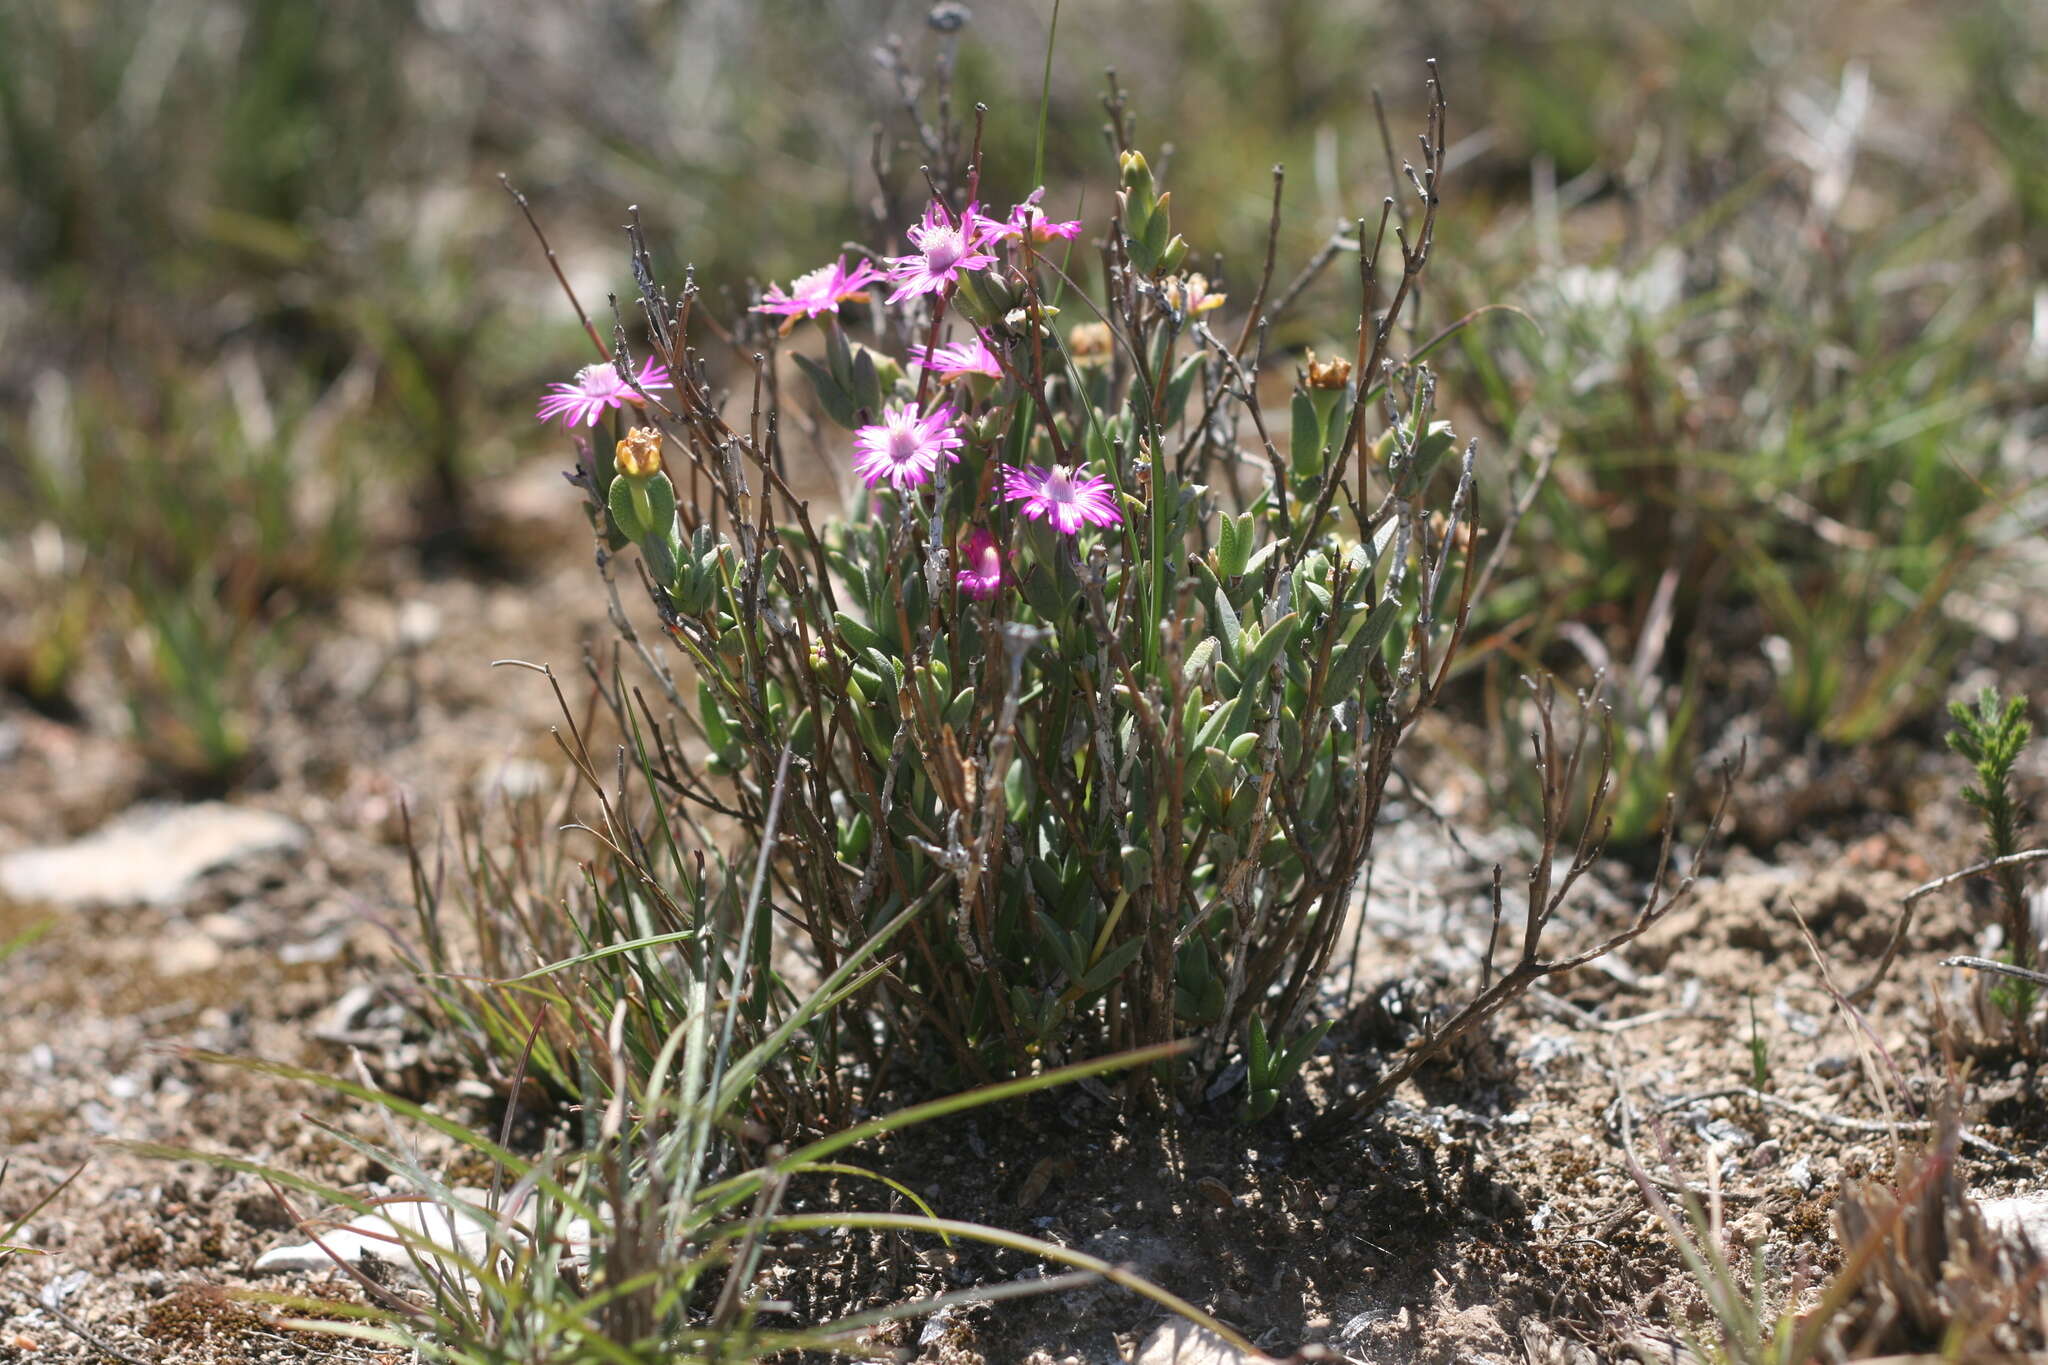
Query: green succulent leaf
{"points": [[1227, 623], [1180, 384], [834, 399], [1114, 964], [1306, 447], [1228, 562], [1270, 644]]}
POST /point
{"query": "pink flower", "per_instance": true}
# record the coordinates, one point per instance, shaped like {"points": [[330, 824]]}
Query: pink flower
{"points": [[819, 292], [597, 389], [967, 357], [944, 249], [981, 565], [1066, 498], [1029, 218], [903, 448]]}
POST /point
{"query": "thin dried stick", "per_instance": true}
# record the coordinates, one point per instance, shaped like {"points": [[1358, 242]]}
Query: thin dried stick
{"points": [[1547, 893], [1252, 319], [556, 266], [78, 1329], [1911, 898], [1844, 1122], [1985, 964]]}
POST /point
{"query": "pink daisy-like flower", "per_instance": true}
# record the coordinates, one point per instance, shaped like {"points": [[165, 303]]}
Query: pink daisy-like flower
{"points": [[819, 292], [1065, 497], [597, 389], [944, 249], [971, 356], [981, 565], [903, 448], [1029, 218]]}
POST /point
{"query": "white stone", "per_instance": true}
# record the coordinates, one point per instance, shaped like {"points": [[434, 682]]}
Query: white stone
{"points": [[408, 1232], [419, 624], [187, 954], [2021, 1213], [152, 855], [1179, 1342]]}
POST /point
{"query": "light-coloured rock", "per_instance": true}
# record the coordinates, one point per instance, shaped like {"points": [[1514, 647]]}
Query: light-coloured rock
{"points": [[188, 954], [2022, 1213], [1179, 1342], [406, 1233], [151, 855], [419, 624]]}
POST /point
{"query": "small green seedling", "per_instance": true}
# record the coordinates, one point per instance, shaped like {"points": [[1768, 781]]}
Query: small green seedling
{"points": [[1268, 1072], [1759, 1052], [1992, 736]]}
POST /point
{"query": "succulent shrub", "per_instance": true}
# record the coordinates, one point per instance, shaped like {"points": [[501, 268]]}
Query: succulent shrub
{"points": [[1107, 669]]}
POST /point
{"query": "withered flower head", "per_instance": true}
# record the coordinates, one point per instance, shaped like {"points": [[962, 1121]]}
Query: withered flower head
{"points": [[1091, 342], [1190, 294], [1328, 374], [639, 455]]}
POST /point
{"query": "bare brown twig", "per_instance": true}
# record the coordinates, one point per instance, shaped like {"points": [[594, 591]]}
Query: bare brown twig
{"points": [[1559, 764], [1918, 893]]}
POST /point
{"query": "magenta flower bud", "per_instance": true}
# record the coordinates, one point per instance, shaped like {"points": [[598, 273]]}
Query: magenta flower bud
{"points": [[981, 565]]}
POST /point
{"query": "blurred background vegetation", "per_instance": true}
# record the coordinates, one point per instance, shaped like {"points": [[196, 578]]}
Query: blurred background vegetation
{"points": [[268, 322]]}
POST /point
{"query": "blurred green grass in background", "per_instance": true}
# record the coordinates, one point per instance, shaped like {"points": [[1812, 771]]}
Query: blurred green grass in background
{"points": [[267, 319]]}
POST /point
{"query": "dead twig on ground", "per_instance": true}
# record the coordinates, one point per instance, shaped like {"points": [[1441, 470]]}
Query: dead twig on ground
{"points": [[1913, 897], [1842, 1122], [1625, 1127], [1985, 964], [49, 1300], [1565, 1011]]}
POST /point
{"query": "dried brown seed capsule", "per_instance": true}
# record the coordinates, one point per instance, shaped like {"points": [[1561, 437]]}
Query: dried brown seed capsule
{"points": [[1091, 342], [639, 455], [1328, 374]]}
